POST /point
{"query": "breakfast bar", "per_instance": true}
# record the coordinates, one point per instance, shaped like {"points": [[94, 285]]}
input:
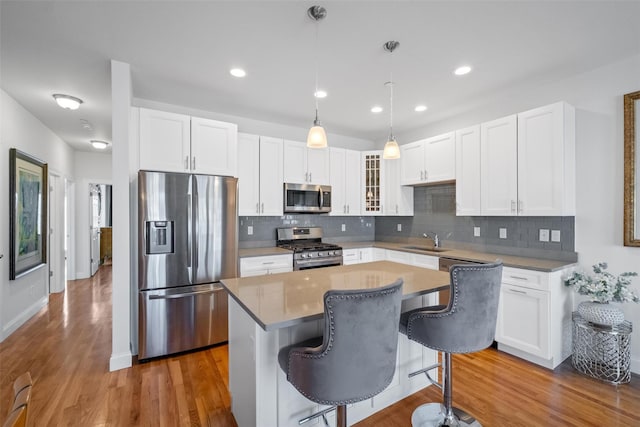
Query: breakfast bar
{"points": [[269, 312]]}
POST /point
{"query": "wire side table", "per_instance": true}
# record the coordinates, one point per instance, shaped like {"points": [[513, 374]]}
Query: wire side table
{"points": [[602, 352]]}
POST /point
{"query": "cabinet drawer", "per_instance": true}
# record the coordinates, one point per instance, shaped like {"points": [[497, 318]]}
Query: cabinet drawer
{"points": [[400, 257], [264, 264], [526, 278], [349, 256]]}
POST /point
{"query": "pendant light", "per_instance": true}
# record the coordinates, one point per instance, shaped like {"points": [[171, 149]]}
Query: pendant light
{"points": [[317, 137], [391, 149]]}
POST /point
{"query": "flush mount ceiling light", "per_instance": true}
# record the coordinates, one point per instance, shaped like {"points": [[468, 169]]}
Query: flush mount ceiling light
{"points": [[100, 145], [67, 101], [376, 109], [461, 71], [420, 108], [237, 72], [391, 149], [317, 137]]}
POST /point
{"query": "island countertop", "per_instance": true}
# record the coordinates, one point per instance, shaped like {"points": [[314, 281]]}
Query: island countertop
{"points": [[280, 300]]}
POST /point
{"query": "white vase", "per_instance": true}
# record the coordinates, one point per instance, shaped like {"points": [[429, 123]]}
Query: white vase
{"points": [[600, 313]]}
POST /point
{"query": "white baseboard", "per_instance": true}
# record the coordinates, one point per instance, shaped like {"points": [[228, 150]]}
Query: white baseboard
{"points": [[120, 361], [14, 324]]}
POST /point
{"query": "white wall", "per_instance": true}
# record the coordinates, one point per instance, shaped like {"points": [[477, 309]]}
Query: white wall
{"points": [[22, 298], [91, 168], [597, 96]]}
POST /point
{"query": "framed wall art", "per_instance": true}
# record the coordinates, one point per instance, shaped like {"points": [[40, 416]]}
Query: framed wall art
{"points": [[27, 213]]}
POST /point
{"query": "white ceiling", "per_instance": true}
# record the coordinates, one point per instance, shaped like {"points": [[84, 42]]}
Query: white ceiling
{"points": [[181, 52]]}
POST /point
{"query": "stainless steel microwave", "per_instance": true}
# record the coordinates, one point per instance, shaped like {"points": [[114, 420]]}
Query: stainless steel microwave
{"points": [[307, 198]]}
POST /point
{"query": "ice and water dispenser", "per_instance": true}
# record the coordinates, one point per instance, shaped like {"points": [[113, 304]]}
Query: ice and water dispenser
{"points": [[159, 237]]}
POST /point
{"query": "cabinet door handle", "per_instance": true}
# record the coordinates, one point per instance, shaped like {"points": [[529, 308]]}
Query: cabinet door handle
{"points": [[396, 208], [257, 207], [344, 208], [513, 206], [268, 262], [517, 291], [426, 175], [186, 163], [347, 208], [262, 207], [310, 179], [421, 175], [193, 163], [306, 177], [520, 204], [519, 278]]}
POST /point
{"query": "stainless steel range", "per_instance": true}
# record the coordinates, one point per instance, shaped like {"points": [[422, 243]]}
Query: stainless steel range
{"points": [[308, 249]]}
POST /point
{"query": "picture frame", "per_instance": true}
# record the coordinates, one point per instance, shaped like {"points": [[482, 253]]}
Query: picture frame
{"points": [[28, 190]]}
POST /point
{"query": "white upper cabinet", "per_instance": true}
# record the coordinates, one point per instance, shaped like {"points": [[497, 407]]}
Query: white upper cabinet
{"points": [[372, 194], [546, 161], [260, 189], [429, 160], [304, 165], [345, 181], [178, 143], [499, 166], [214, 147], [165, 141], [398, 198], [468, 171]]}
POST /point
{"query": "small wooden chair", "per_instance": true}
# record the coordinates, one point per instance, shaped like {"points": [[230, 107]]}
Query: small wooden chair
{"points": [[21, 397]]}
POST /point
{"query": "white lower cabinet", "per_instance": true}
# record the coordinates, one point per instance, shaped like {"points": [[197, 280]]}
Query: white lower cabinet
{"points": [[357, 255], [534, 316], [261, 265]]}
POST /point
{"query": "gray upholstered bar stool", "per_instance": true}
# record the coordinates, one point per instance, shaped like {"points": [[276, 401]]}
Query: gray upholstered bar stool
{"points": [[466, 325], [355, 359]]}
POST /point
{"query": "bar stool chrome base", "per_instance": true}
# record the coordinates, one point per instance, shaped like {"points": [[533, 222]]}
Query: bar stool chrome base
{"points": [[433, 415]]}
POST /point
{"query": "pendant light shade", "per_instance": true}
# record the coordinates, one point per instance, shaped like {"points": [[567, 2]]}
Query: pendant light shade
{"points": [[391, 148], [317, 137]]}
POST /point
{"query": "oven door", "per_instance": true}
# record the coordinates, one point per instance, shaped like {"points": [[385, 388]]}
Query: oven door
{"points": [[307, 264], [307, 198]]}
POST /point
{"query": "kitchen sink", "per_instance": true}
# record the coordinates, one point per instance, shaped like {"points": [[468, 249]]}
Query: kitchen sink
{"points": [[426, 248]]}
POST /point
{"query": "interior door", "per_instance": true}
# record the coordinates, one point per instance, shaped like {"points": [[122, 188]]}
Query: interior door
{"points": [[94, 227]]}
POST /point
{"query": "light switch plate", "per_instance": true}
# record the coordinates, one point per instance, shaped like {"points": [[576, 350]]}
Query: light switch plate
{"points": [[555, 235], [544, 235], [399, 227], [250, 230], [344, 227], [503, 233], [476, 231]]}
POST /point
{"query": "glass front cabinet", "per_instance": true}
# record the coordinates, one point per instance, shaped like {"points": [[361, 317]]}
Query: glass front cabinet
{"points": [[372, 179]]}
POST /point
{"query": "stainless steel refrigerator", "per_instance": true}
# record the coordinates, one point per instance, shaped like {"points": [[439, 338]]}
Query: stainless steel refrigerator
{"points": [[188, 240]]}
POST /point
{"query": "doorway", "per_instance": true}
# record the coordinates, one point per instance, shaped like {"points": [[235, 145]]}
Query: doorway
{"points": [[99, 226], [58, 231]]}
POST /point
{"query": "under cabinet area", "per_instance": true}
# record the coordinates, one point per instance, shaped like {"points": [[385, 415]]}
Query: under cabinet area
{"points": [[259, 175], [171, 142], [263, 265]]}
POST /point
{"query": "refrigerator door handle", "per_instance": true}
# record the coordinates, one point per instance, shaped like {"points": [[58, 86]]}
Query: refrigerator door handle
{"points": [[189, 238], [186, 294], [196, 228]]}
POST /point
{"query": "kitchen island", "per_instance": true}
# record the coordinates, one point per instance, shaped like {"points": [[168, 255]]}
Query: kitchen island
{"points": [[269, 312]]}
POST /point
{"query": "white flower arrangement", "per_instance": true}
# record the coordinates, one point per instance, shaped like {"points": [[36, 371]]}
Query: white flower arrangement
{"points": [[603, 287]]}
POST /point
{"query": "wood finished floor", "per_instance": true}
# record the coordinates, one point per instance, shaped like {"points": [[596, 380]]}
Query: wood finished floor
{"points": [[67, 345]]}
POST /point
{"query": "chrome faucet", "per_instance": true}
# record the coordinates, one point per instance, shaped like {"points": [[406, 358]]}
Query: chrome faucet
{"points": [[434, 237]]}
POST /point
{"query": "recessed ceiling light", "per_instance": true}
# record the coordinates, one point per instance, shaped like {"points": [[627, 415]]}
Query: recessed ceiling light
{"points": [[100, 145], [67, 101], [237, 72], [320, 94], [376, 109], [461, 71], [420, 108]]}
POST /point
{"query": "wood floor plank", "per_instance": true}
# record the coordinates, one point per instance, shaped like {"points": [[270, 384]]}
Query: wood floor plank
{"points": [[67, 345]]}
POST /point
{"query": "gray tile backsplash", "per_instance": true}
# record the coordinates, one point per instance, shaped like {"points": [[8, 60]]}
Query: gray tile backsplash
{"points": [[357, 228], [434, 211]]}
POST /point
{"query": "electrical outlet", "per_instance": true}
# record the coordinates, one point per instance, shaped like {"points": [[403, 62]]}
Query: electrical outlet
{"points": [[344, 227], [399, 227], [503, 233], [476, 231], [544, 235], [555, 235], [250, 230]]}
